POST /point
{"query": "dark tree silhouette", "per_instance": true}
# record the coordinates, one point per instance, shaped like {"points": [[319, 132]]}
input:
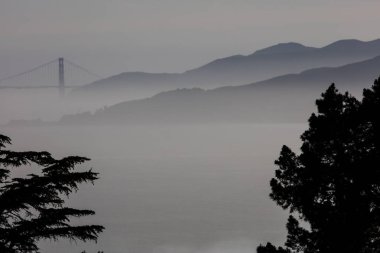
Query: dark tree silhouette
{"points": [[32, 208], [333, 185], [269, 248]]}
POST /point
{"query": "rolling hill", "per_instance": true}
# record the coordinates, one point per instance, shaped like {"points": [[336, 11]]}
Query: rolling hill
{"points": [[286, 99], [273, 61]]}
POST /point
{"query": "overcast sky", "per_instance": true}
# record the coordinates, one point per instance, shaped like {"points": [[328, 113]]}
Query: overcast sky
{"points": [[112, 36]]}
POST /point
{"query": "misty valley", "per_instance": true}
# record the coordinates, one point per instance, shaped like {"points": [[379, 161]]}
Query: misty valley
{"points": [[186, 161], [172, 188]]}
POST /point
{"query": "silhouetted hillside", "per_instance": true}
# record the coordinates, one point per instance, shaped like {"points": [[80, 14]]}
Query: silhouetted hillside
{"points": [[273, 61], [287, 98], [282, 48]]}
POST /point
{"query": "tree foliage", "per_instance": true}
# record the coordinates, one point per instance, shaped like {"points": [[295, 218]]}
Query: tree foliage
{"points": [[333, 185], [33, 208]]}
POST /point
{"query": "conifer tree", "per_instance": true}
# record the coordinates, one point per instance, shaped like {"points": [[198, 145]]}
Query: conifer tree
{"points": [[33, 208], [333, 185]]}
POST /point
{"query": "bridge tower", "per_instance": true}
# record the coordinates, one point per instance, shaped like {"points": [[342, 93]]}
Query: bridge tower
{"points": [[61, 76]]}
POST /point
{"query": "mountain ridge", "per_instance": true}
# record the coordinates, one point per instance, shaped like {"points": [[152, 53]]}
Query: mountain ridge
{"points": [[286, 47], [280, 59], [283, 99]]}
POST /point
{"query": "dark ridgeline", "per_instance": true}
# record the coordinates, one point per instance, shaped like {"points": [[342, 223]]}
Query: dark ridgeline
{"points": [[32, 208], [273, 61], [334, 184], [284, 99]]}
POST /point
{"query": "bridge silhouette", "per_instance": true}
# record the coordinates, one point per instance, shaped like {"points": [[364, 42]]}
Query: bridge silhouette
{"points": [[59, 73]]}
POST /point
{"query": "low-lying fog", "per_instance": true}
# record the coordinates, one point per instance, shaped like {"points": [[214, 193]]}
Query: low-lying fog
{"points": [[172, 189], [45, 103]]}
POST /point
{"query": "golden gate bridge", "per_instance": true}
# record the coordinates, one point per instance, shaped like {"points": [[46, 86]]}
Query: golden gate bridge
{"points": [[59, 73]]}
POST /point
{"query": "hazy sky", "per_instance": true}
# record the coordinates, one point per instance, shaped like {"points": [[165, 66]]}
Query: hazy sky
{"points": [[112, 36]]}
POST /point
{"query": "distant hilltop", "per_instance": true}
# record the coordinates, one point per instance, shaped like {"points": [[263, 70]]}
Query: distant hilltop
{"points": [[280, 59], [181, 99], [284, 99]]}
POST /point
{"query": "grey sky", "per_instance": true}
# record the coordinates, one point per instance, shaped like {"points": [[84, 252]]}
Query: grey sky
{"points": [[112, 36]]}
